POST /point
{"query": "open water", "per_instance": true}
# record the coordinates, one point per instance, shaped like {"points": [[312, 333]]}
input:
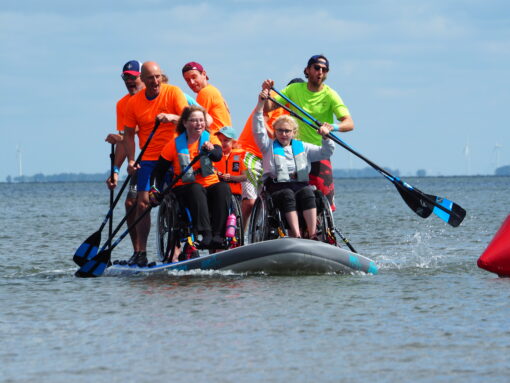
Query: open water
{"points": [[430, 315]]}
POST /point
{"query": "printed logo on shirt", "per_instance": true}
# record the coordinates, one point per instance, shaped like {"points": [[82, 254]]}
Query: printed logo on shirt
{"points": [[235, 167]]}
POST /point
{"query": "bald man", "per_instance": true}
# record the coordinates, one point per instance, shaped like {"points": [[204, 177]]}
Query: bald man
{"points": [[165, 103]]}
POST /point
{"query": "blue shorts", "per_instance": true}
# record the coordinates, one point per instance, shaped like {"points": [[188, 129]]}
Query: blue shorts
{"points": [[144, 175]]}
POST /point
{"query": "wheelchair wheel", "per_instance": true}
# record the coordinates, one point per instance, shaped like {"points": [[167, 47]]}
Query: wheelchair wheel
{"points": [[167, 232], [265, 221], [325, 222]]}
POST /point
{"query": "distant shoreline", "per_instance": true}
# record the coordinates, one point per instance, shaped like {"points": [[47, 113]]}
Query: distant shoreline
{"points": [[88, 179]]}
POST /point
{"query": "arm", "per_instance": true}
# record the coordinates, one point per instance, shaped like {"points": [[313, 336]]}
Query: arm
{"points": [[317, 153], [129, 146], [346, 124], [259, 124], [269, 105]]}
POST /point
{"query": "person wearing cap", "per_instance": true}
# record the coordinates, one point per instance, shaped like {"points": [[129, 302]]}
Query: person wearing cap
{"points": [[165, 103], [286, 164], [231, 167], [323, 103], [131, 77], [208, 96]]}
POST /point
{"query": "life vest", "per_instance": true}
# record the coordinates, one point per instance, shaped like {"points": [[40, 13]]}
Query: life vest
{"points": [[206, 167], [282, 171]]}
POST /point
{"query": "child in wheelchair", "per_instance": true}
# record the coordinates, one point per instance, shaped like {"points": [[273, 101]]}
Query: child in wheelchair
{"points": [[286, 163]]}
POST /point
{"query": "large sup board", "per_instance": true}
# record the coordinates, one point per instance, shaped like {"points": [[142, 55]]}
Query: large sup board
{"points": [[278, 256]]}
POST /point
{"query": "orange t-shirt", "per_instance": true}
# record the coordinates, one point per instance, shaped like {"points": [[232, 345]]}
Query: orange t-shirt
{"points": [[121, 111], [169, 153], [233, 164], [212, 101], [247, 140], [142, 112]]}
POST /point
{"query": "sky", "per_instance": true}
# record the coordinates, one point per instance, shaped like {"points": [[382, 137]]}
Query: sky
{"points": [[427, 83]]}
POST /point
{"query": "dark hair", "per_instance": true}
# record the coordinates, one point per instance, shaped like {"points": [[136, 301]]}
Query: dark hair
{"points": [[295, 80], [186, 112]]}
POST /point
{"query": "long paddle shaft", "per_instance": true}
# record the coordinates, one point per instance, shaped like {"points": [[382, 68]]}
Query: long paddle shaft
{"points": [[88, 249], [417, 200], [112, 160], [96, 265]]}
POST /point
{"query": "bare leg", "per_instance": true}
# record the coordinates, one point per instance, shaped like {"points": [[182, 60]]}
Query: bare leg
{"points": [[246, 208], [144, 226], [310, 217], [131, 218], [293, 221]]}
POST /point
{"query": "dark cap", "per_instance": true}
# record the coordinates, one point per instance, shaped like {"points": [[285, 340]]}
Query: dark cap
{"points": [[318, 59], [132, 67]]}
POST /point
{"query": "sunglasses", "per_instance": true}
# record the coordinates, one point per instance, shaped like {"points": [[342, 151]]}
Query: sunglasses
{"points": [[127, 77], [284, 131], [319, 67]]}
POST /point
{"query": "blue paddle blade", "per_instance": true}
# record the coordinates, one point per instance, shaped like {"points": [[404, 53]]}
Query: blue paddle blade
{"points": [[96, 266], [455, 215], [87, 249]]}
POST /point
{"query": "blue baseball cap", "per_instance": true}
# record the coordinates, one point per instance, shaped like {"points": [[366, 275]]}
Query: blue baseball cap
{"points": [[228, 132], [132, 67]]}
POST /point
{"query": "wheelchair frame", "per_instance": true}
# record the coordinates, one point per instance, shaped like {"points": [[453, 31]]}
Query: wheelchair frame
{"points": [[175, 229], [267, 222]]}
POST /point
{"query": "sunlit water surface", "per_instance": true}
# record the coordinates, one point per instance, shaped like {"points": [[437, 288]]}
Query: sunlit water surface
{"points": [[430, 315]]}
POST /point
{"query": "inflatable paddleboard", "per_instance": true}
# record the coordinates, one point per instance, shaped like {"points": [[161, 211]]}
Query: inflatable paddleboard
{"points": [[282, 256], [496, 258]]}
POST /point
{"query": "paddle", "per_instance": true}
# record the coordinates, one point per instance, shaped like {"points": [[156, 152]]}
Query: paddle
{"points": [[346, 241], [112, 158], [421, 203], [89, 248], [96, 265]]}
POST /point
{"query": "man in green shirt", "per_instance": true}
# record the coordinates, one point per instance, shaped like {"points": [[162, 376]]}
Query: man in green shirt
{"points": [[322, 102]]}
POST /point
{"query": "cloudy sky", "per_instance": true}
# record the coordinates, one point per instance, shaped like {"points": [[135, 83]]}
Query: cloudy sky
{"points": [[424, 81]]}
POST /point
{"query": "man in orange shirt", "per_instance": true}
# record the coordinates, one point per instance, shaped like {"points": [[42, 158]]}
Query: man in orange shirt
{"points": [[131, 77], [208, 96], [159, 101]]}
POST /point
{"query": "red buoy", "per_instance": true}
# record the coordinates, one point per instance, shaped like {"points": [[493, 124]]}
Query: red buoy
{"points": [[496, 258]]}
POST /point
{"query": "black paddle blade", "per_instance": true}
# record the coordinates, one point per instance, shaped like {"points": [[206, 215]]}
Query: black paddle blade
{"points": [[414, 200], [96, 266], [455, 215], [87, 249]]}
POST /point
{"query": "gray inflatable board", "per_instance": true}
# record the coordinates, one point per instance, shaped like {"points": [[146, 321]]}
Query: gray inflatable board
{"points": [[277, 256]]}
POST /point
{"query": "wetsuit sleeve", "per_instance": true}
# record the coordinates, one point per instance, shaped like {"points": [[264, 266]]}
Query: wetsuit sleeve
{"points": [[216, 154]]}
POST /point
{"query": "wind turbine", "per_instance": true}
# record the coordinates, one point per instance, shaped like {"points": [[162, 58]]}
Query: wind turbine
{"points": [[497, 150], [18, 154], [467, 155]]}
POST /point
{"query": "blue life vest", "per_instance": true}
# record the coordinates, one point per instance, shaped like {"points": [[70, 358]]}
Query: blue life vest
{"points": [[281, 168], [206, 167]]}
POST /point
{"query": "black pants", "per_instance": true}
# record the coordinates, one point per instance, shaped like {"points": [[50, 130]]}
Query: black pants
{"points": [[292, 196], [208, 206]]}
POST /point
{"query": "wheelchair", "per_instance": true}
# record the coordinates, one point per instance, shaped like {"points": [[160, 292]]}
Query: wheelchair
{"points": [[267, 222], [175, 229]]}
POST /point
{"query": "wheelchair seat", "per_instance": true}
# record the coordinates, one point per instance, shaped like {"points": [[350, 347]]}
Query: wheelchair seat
{"points": [[175, 229], [267, 221]]}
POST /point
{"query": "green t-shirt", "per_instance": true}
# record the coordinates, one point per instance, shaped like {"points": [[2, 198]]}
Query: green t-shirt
{"points": [[323, 105]]}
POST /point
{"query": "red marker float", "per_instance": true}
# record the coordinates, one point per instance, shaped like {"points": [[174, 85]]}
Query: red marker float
{"points": [[496, 258]]}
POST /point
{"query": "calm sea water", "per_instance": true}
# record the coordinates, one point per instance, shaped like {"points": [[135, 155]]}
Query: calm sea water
{"points": [[430, 315]]}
